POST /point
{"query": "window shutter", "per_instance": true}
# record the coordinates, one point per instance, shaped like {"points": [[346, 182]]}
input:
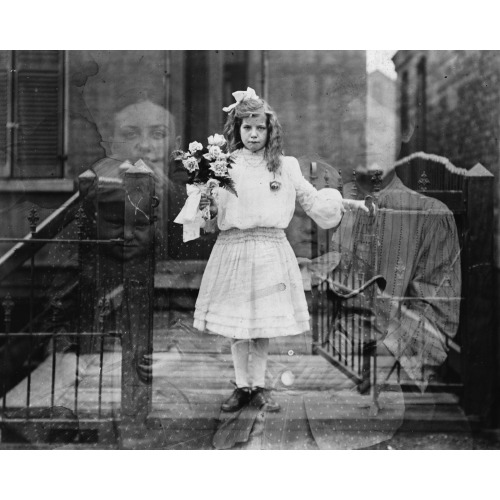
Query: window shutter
{"points": [[4, 100], [38, 114]]}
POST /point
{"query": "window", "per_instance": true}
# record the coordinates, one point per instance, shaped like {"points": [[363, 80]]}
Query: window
{"points": [[31, 114], [235, 75], [198, 89], [211, 77]]}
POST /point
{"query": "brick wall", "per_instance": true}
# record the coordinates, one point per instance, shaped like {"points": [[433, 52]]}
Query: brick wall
{"points": [[463, 109], [320, 98]]}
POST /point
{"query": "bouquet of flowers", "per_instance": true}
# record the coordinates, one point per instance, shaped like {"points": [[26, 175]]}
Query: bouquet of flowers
{"points": [[208, 168]]}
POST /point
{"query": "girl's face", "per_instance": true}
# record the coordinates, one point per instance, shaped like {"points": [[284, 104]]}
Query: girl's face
{"points": [[253, 132]]}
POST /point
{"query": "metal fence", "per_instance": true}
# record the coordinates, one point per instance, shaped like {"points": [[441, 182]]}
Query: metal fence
{"points": [[347, 338], [74, 365]]}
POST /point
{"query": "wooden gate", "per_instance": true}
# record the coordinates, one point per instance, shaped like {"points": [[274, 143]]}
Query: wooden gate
{"points": [[470, 364]]}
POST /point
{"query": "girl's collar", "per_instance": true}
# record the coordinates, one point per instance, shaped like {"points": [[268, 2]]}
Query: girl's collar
{"points": [[249, 154]]}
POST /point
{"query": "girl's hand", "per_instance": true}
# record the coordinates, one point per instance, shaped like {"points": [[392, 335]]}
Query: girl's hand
{"points": [[208, 201], [204, 202], [357, 205]]}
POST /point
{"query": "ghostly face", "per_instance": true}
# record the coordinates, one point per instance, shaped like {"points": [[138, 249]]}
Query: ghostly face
{"points": [[141, 131], [111, 225], [253, 132]]}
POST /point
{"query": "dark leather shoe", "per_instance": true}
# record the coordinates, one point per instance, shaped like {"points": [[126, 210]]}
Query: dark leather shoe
{"points": [[239, 398], [262, 399]]}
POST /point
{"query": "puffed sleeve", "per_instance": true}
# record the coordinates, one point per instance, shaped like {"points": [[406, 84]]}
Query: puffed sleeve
{"points": [[323, 206]]}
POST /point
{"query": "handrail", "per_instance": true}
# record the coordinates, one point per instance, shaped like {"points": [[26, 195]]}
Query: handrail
{"points": [[47, 230], [100, 316], [434, 158]]}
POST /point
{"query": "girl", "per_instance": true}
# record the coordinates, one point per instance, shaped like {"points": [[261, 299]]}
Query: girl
{"points": [[252, 290]]}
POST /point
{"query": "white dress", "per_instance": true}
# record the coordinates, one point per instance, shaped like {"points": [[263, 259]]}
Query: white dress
{"points": [[252, 286]]}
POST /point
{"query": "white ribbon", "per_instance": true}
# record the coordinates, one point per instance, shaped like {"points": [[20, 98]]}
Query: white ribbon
{"points": [[241, 95], [190, 216]]}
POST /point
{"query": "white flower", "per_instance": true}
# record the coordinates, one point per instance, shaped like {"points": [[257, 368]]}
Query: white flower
{"points": [[195, 146], [190, 164], [219, 167], [215, 152], [216, 140]]}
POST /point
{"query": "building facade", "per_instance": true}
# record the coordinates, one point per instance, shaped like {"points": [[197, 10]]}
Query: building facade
{"points": [[63, 111], [449, 104]]}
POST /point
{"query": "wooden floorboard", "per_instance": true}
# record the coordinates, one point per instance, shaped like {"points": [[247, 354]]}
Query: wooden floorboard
{"points": [[191, 378]]}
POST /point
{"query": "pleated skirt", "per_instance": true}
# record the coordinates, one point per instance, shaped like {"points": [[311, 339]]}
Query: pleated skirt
{"points": [[252, 287]]}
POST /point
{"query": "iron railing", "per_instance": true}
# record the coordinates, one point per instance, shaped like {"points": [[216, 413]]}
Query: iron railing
{"points": [[80, 337], [468, 195]]}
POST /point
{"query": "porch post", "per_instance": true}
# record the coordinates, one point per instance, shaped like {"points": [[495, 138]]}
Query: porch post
{"points": [[478, 361], [87, 258], [138, 283]]}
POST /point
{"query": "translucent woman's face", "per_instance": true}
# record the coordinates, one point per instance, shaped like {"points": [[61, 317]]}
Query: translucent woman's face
{"points": [[253, 132], [141, 131]]}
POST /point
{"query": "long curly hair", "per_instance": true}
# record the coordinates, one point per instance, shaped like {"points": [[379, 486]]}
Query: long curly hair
{"points": [[253, 107]]}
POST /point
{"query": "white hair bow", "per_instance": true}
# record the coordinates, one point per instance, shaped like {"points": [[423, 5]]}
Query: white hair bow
{"points": [[241, 95]]}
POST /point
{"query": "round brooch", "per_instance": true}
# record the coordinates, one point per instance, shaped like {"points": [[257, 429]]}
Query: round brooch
{"points": [[275, 185]]}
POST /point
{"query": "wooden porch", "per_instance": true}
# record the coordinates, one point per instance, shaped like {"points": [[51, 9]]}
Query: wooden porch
{"points": [[191, 378]]}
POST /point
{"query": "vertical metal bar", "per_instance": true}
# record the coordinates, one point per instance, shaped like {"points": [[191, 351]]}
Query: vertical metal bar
{"points": [[81, 220], [4, 378], [317, 335], [372, 338], [103, 312], [53, 381], [33, 219], [329, 303], [355, 342], [101, 359], [355, 318], [360, 349], [346, 349], [321, 312], [7, 305], [374, 379], [398, 364], [77, 370], [32, 279], [329, 311], [324, 311]]}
